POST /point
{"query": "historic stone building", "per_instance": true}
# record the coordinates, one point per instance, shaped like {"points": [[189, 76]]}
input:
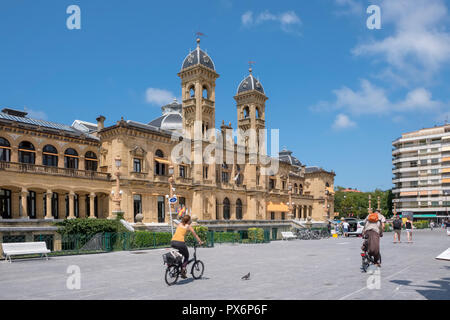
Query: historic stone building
{"points": [[50, 170]]}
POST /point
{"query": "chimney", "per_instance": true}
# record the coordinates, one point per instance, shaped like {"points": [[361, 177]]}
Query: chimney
{"points": [[100, 122]]}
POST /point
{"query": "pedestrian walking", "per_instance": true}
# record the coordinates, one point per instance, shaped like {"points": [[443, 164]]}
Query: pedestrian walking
{"points": [[409, 227], [397, 224], [432, 225], [345, 226]]}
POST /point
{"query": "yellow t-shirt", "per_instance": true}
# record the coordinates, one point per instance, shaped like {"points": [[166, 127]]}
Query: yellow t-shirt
{"points": [[180, 233]]}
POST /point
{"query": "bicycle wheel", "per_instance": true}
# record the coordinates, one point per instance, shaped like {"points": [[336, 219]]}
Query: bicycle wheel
{"points": [[171, 275], [364, 264], [197, 269]]}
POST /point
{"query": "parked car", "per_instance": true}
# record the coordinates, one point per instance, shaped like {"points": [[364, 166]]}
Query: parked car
{"points": [[356, 226]]}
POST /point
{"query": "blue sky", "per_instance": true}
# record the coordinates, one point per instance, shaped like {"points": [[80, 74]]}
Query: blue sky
{"points": [[338, 91]]}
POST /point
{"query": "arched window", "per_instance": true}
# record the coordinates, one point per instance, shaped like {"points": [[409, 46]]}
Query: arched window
{"points": [[192, 92], [27, 153], [90, 162], [295, 188], [50, 156], [246, 112], [327, 185], [257, 113], [5, 150], [205, 92], [300, 191], [160, 166], [238, 209], [71, 159], [226, 209]]}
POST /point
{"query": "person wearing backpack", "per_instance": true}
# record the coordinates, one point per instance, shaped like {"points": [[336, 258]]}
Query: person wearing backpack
{"points": [[397, 224], [373, 230]]}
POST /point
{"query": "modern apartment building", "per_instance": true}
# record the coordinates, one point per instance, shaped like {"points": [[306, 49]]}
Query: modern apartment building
{"points": [[421, 169]]}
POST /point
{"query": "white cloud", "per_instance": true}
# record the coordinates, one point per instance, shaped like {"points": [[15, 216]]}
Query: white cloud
{"points": [[158, 96], [373, 100], [36, 114], [352, 6], [247, 18], [343, 122], [419, 46], [287, 20]]}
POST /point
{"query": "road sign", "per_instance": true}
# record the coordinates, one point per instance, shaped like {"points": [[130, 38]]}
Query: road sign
{"points": [[173, 199]]}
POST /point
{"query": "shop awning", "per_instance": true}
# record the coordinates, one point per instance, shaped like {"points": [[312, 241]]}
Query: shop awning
{"points": [[161, 160], [277, 207]]}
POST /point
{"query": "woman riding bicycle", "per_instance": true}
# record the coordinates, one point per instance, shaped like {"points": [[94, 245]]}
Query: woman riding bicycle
{"points": [[178, 241]]}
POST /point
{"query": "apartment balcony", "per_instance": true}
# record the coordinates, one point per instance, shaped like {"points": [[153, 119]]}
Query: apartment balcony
{"points": [[139, 175], [182, 180], [163, 179], [54, 171]]}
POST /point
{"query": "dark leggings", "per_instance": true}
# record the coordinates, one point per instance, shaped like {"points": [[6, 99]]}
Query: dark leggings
{"points": [[182, 247]]}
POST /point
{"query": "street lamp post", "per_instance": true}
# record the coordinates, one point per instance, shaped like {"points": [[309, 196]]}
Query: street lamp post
{"points": [[117, 194], [170, 196], [327, 206]]}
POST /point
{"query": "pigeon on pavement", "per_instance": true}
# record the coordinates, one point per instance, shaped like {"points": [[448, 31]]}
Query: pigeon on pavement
{"points": [[246, 277]]}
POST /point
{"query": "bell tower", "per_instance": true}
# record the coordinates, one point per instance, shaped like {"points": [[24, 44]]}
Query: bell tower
{"points": [[251, 107], [198, 83]]}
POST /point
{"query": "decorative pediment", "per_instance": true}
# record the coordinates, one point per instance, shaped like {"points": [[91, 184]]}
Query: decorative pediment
{"points": [[138, 151]]}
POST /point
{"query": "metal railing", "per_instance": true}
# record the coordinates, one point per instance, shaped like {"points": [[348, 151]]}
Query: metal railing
{"points": [[40, 169], [70, 244]]}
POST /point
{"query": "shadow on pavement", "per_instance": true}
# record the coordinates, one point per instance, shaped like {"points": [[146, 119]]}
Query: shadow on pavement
{"points": [[189, 280], [437, 290]]}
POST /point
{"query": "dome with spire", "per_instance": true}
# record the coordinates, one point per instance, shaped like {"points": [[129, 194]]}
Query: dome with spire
{"points": [[250, 83], [198, 56]]}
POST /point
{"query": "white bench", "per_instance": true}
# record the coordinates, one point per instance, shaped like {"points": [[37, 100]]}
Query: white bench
{"points": [[288, 235], [20, 248]]}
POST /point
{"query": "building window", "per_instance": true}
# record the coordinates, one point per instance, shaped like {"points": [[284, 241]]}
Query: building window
{"points": [[5, 204], [226, 209], [71, 159], [272, 216], [137, 199], [283, 184], [137, 165], [272, 183], [205, 172], [161, 209], [238, 209], [31, 204], [283, 214], [5, 150], [160, 167], [225, 176], [91, 162], [422, 162], [26, 152], [217, 210], [246, 112], [300, 189], [434, 161], [50, 156], [182, 170], [55, 207], [182, 202]]}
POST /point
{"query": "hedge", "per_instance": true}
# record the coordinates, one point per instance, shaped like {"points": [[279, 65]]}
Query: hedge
{"points": [[256, 234], [220, 237], [202, 233], [88, 227], [146, 239], [422, 224]]}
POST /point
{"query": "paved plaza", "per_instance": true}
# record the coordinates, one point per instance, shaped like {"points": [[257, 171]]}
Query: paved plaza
{"points": [[296, 269]]}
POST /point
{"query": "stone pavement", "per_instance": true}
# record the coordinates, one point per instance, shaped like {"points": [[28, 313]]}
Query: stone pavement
{"points": [[296, 269]]}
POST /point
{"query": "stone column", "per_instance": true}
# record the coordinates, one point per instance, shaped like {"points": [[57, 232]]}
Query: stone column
{"points": [[82, 205], [62, 206], [92, 205], [81, 163], [38, 160], [71, 205], [40, 205], [15, 204], [48, 198], [23, 204]]}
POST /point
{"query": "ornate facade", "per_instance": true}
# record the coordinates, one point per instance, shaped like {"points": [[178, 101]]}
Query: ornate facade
{"points": [[50, 170]]}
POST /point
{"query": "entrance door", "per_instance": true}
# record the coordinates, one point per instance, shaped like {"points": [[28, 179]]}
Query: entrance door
{"points": [[161, 209], [5, 203], [274, 233]]}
